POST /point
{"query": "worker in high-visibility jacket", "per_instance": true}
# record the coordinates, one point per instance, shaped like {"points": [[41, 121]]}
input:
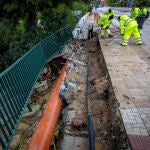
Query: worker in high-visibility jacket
{"points": [[128, 27], [134, 12], [110, 13], [105, 22], [143, 14]]}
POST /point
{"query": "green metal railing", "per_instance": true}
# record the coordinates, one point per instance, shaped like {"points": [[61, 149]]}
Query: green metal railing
{"points": [[17, 82]]}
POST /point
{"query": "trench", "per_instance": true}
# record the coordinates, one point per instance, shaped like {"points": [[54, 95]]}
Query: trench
{"points": [[107, 121], [99, 100]]}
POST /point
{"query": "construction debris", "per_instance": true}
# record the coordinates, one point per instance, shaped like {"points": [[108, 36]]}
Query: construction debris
{"points": [[77, 123]]}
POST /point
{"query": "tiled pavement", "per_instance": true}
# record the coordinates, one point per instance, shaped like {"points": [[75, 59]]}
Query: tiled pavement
{"points": [[129, 69]]}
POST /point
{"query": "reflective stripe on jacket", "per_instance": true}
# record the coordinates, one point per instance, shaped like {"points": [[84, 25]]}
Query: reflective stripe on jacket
{"points": [[112, 13], [104, 21], [124, 22]]}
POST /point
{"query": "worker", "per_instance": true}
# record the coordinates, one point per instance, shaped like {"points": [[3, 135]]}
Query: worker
{"points": [[143, 14], [134, 12], [105, 22], [128, 27], [102, 3], [110, 13]]}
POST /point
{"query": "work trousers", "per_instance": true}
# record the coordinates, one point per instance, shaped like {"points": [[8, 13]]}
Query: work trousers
{"points": [[140, 21], [107, 29], [131, 30]]}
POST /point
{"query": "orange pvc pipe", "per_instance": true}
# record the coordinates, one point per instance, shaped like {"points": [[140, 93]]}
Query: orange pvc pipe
{"points": [[44, 132]]}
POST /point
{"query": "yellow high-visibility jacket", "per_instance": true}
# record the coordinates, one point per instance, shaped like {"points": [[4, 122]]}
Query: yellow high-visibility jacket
{"points": [[143, 11], [135, 13], [104, 21], [125, 22], [112, 13]]}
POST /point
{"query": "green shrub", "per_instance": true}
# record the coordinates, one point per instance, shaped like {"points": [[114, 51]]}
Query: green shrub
{"points": [[17, 39]]}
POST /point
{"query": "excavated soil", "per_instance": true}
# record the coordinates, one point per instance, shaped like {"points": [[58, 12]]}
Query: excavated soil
{"points": [[108, 127]]}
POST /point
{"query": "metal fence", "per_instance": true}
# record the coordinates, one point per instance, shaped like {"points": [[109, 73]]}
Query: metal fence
{"points": [[17, 82]]}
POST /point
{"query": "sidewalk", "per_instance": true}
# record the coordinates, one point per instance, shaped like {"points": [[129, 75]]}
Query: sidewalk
{"points": [[129, 72]]}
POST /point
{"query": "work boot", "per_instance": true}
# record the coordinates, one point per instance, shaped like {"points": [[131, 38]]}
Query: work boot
{"points": [[139, 43], [110, 36], [102, 36], [124, 44]]}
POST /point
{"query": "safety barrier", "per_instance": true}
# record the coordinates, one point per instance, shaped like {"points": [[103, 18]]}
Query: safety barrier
{"points": [[17, 82]]}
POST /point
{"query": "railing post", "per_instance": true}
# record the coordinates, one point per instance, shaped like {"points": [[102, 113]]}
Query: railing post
{"points": [[29, 107]]}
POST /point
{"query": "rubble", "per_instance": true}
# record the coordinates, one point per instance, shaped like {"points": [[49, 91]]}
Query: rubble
{"points": [[100, 100], [77, 123]]}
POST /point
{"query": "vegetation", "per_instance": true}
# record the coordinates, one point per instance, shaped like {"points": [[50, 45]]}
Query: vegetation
{"points": [[125, 3], [24, 23]]}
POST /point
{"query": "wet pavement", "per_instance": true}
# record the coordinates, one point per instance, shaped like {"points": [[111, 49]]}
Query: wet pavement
{"points": [[129, 70]]}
